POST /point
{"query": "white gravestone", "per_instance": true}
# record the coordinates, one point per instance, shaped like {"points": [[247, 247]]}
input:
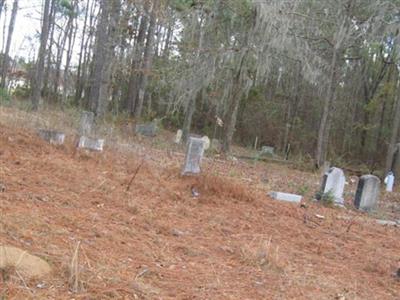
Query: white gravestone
{"points": [[207, 142], [178, 137], [334, 181], [194, 155], [367, 195], [53, 137], [86, 123], [91, 144], [286, 197]]}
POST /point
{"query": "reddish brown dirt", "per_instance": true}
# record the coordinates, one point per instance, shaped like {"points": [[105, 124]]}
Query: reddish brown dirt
{"points": [[156, 241]]}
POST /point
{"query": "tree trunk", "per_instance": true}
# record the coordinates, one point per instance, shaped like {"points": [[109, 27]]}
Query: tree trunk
{"points": [[323, 133], [146, 66], [78, 85], [132, 93], [60, 55], [38, 77], [99, 81], [50, 49], [6, 58], [187, 123], [233, 107], [395, 133], [71, 44]]}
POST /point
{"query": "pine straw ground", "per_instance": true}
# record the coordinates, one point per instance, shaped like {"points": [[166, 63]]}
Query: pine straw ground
{"points": [[153, 240]]}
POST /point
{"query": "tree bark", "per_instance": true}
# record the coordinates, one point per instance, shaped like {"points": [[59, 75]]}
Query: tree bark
{"points": [[132, 93], [323, 132], [395, 133], [233, 107], [6, 54], [78, 84], [71, 44], [100, 76], [146, 66], [38, 77]]}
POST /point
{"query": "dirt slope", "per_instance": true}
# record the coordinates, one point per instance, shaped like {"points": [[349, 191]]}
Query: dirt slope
{"points": [[155, 241]]}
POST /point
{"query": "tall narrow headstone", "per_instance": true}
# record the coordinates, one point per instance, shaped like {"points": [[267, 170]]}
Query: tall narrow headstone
{"points": [[367, 194], [207, 142], [333, 182], [91, 144], [51, 136], [86, 123], [194, 155], [178, 136]]}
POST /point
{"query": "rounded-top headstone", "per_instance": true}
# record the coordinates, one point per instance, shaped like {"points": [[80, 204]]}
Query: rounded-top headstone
{"points": [[333, 182], [367, 195]]}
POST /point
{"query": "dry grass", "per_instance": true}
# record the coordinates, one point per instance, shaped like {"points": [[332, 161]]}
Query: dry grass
{"points": [[155, 240]]}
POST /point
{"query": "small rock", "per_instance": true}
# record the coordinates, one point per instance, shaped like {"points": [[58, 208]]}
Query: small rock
{"points": [[176, 232], [195, 193], [2, 187], [387, 223], [41, 285], [320, 217]]}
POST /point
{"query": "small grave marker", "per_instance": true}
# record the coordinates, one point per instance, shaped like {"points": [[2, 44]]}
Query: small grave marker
{"points": [[286, 197], [86, 123], [267, 151], [194, 155], [178, 137], [148, 129], [207, 142], [367, 194], [216, 145], [91, 144], [334, 181], [51, 136]]}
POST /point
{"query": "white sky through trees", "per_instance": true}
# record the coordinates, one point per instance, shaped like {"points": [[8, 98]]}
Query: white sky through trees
{"points": [[27, 27]]}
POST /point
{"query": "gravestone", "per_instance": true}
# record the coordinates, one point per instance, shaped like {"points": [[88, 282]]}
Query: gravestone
{"points": [[367, 194], [91, 144], [286, 197], [178, 137], [148, 129], [86, 123], [267, 151], [207, 142], [51, 136], [334, 181], [194, 155], [216, 145]]}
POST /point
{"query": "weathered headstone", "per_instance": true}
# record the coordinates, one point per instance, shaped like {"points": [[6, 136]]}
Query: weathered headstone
{"points": [[207, 142], [178, 136], [216, 145], [194, 155], [91, 144], [53, 137], [148, 129], [86, 123], [333, 182], [286, 197], [267, 151], [367, 194]]}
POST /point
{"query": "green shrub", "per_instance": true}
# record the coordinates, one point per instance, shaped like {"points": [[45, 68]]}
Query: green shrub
{"points": [[327, 199]]}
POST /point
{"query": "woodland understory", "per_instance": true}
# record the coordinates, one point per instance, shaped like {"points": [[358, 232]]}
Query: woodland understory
{"points": [[314, 79]]}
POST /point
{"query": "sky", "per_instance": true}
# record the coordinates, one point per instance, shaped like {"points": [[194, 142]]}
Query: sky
{"points": [[27, 27]]}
